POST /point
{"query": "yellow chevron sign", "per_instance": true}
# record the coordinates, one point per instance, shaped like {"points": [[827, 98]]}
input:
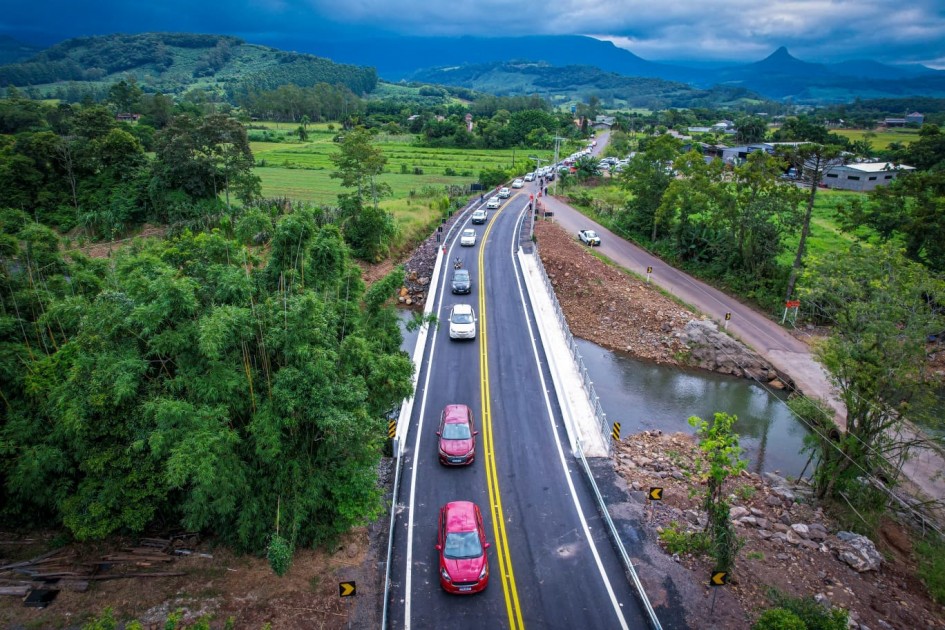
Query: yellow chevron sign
{"points": [[719, 578], [656, 494], [347, 589]]}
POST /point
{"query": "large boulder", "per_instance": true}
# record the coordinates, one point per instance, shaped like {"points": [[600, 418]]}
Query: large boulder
{"points": [[859, 552]]}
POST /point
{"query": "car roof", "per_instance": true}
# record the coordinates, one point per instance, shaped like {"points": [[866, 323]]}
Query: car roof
{"points": [[462, 308], [460, 516], [460, 272], [456, 413], [469, 231], [478, 210]]}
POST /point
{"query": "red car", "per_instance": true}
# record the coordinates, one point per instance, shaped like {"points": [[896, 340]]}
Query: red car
{"points": [[461, 541], [457, 444]]}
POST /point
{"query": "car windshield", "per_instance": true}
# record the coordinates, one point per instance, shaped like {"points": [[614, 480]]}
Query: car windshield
{"points": [[469, 233], [462, 318], [462, 545], [455, 431], [461, 276]]}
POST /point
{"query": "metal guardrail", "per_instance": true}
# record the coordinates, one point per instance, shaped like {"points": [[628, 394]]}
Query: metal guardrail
{"points": [[618, 543], [592, 396]]}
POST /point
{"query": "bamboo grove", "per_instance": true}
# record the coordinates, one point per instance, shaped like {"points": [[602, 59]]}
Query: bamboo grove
{"points": [[195, 382]]}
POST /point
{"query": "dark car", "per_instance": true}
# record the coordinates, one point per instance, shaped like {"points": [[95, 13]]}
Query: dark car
{"points": [[461, 541], [457, 436], [461, 282]]}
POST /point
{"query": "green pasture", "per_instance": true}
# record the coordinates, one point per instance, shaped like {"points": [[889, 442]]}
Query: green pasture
{"points": [[316, 185], [825, 236], [881, 139]]}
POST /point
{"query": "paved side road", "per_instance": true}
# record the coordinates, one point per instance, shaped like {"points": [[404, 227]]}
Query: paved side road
{"points": [[765, 336]]}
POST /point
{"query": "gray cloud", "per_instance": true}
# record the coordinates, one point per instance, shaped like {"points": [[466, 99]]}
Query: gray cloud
{"points": [[731, 30]]}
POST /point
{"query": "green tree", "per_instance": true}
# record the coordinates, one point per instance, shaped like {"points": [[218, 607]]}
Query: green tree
{"points": [[722, 461], [750, 129], [912, 208], [647, 177], [812, 161], [882, 307]]}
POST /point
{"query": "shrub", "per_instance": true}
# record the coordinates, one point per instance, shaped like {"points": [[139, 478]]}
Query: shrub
{"points": [[778, 619], [812, 614], [679, 541], [448, 171], [932, 567], [417, 170], [403, 169]]}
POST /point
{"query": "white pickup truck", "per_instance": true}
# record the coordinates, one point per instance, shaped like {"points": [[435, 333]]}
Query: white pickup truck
{"points": [[589, 237]]}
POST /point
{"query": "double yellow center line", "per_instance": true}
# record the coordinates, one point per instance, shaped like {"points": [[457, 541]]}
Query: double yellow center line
{"points": [[512, 607]]}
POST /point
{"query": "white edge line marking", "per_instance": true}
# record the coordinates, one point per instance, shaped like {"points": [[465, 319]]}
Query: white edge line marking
{"points": [[554, 432]]}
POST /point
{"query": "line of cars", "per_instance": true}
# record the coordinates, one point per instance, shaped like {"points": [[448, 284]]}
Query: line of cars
{"points": [[461, 545]]}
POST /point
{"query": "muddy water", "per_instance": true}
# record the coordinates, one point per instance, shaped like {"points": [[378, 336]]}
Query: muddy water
{"points": [[641, 395]]}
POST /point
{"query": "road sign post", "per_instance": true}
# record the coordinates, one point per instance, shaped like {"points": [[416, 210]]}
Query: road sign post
{"points": [[615, 433], [728, 317], [649, 270]]}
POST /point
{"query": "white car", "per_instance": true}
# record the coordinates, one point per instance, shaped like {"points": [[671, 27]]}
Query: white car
{"points": [[529, 177], [468, 237], [493, 203], [479, 216], [462, 322], [589, 237], [518, 183], [504, 193]]}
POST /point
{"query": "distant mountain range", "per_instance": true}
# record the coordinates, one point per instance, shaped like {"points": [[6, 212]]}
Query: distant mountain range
{"points": [[566, 84], [778, 76], [565, 67]]}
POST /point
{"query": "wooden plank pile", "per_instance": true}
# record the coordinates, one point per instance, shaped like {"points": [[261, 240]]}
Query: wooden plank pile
{"points": [[60, 569]]}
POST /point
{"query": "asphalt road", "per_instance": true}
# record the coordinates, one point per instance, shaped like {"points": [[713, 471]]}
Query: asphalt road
{"points": [[551, 563]]}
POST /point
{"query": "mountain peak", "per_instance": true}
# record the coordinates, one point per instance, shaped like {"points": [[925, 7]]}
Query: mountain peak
{"points": [[781, 54]]}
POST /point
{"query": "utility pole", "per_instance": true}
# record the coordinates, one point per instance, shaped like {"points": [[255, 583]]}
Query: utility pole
{"points": [[558, 140]]}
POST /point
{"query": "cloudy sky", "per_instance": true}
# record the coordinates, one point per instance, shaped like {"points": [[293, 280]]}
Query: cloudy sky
{"points": [[892, 31]]}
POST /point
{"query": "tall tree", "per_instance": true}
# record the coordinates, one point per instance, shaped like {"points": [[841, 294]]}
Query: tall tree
{"points": [[647, 177], [359, 164], [911, 208], [882, 307], [812, 161]]}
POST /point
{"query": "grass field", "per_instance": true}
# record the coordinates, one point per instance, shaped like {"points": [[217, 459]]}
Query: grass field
{"points": [[880, 139], [301, 171], [825, 235]]}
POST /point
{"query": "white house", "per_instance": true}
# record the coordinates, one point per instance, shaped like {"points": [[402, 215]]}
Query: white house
{"points": [[863, 176]]}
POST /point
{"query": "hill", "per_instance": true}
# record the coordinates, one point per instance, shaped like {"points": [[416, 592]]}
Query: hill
{"points": [[570, 83], [12, 50], [176, 62]]}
